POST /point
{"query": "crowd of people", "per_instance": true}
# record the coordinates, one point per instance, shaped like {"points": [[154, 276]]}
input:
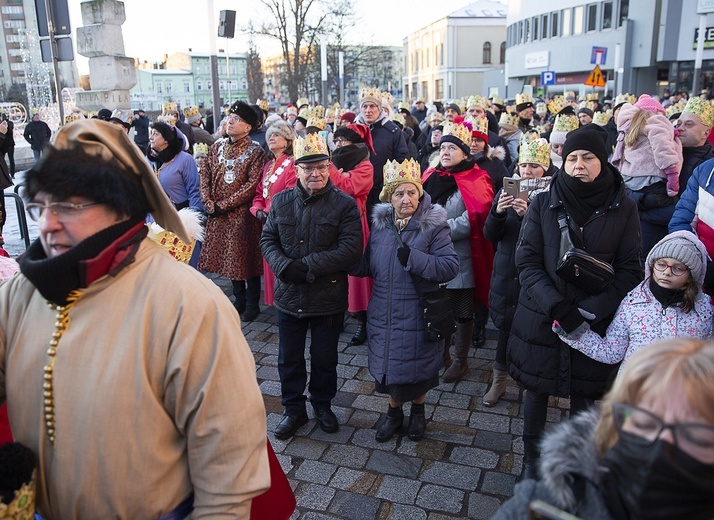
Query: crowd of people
{"points": [[583, 229]]}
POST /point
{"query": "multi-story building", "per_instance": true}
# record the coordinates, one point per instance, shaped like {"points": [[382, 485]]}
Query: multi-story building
{"points": [[459, 55], [641, 45], [20, 51], [185, 78]]}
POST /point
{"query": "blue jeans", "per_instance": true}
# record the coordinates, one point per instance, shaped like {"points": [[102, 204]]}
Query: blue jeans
{"points": [[325, 333], [37, 154]]}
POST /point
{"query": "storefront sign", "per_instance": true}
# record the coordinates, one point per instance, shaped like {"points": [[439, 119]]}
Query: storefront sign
{"points": [[535, 60], [708, 38]]}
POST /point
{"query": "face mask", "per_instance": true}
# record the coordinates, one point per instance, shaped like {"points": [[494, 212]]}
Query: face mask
{"points": [[659, 481]]}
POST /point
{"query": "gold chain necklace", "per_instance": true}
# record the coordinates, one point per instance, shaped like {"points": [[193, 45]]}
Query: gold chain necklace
{"points": [[61, 325]]}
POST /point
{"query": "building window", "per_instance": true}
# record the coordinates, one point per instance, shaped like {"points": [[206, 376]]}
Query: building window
{"points": [[502, 58], [159, 88], [169, 87], [11, 9], [592, 17], [234, 85], [425, 89], [221, 85], [519, 37], [439, 86], [199, 85], [487, 52], [578, 15], [186, 86], [607, 15], [554, 26], [544, 26], [566, 22], [526, 31], [624, 11], [536, 34]]}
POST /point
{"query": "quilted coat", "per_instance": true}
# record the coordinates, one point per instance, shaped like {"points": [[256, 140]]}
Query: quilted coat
{"points": [[398, 352], [537, 358], [324, 232]]}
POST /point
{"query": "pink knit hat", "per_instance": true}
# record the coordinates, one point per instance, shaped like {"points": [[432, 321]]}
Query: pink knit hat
{"points": [[645, 102]]}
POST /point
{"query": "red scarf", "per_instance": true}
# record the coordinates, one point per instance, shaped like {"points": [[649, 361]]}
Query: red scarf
{"points": [[477, 191]]}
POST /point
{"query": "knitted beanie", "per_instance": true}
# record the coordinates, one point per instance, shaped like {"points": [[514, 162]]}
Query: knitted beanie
{"points": [[348, 116], [283, 129], [645, 102], [454, 107], [685, 247], [592, 138], [587, 111]]}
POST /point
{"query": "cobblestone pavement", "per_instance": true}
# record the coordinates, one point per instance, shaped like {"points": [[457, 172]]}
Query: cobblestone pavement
{"points": [[465, 466]]}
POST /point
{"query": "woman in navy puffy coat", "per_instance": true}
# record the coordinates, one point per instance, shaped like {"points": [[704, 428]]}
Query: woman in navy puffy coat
{"points": [[403, 364]]}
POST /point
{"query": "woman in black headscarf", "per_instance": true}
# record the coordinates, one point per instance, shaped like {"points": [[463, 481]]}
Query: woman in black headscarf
{"points": [[603, 221]]}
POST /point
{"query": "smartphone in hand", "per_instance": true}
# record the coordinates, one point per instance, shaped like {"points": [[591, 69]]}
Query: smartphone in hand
{"points": [[515, 188]]}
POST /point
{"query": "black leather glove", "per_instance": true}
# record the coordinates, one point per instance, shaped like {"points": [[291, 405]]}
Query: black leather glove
{"points": [[403, 254], [295, 272], [262, 216]]}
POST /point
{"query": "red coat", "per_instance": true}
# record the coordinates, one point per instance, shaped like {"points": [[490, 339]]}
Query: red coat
{"points": [[357, 184], [278, 175]]}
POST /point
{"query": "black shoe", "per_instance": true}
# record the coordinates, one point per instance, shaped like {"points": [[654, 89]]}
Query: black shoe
{"points": [[360, 335], [479, 337], [250, 313], [240, 307], [327, 420], [417, 422], [390, 425], [289, 424]]}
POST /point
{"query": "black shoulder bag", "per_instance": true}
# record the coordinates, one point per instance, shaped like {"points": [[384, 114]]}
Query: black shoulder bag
{"points": [[438, 315], [579, 267]]}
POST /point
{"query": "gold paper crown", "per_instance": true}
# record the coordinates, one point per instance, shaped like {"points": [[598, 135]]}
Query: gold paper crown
{"points": [[477, 101], [200, 149], [541, 108], [263, 104], [565, 123], [313, 144], [558, 104], [570, 95], [318, 111], [330, 113], [305, 113], [462, 104], [542, 129], [388, 97], [399, 118], [592, 97], [180, 250], [701, 108], [191, 112], [461, 132], [601, 118], [22, 506], [370, 93], [396, 173], [583, 104], [478, 124], [497, 100], [536, 151], [523, 98], [317, 122], [404, 105], [169, 107], [74, 116], [435, 116], [508, 119], [291, 110], [169, 119], [625, 98], [675, 108], [529, 136], [301, 101]]}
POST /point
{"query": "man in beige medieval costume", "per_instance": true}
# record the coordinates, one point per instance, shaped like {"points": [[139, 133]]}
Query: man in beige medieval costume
{"points": [[125, 371], [228, 180]]}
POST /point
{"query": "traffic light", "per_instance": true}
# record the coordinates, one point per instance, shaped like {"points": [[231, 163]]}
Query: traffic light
{"points": [[227, 24]]}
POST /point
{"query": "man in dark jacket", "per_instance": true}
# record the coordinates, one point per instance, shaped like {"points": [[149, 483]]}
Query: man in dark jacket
{"points": [[141, 129], [38, 134], [387, 139], [419, 109], [311, 240], [694, 125], [8, 146]]}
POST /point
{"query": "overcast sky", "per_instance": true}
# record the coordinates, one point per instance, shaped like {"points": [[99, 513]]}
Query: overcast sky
{"points": [[155, 27]]}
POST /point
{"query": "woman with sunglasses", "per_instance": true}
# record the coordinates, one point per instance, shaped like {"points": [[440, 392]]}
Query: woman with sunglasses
{"points": [[668, 303], [647, 454]]}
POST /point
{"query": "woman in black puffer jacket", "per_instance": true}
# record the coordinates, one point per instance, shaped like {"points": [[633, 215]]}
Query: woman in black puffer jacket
{"points": [[603, 221]]}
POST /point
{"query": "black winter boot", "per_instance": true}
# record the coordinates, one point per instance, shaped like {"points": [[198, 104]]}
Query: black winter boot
{"points": [[391, 424]]}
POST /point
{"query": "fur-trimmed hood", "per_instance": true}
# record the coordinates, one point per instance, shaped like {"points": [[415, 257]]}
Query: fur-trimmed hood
{"points": [[427, 216], [496, 152], [568, 450]]}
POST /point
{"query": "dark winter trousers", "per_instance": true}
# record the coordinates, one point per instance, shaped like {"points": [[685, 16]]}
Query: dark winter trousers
{"points": [[324, 335], [535, 411]]}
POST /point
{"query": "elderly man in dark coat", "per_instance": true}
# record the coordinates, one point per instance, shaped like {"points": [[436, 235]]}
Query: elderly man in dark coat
{"points": [[311, 240]]}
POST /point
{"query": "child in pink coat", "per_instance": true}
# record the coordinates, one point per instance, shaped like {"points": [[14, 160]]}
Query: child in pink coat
{"points": [[649, 156]]}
